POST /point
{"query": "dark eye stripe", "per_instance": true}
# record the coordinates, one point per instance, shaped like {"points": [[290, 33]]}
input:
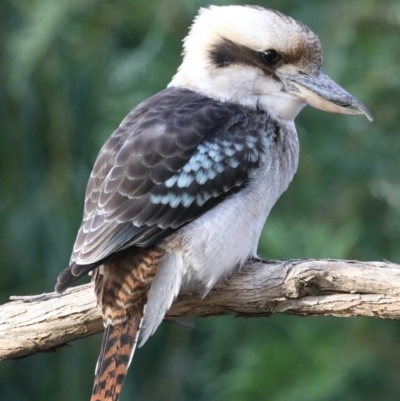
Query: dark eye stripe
{"points": [[225, 53]]}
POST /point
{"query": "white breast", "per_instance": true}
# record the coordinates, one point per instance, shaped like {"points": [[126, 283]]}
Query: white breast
{"points": [[223, 238]]}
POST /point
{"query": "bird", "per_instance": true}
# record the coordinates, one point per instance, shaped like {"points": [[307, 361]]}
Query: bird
{"points": [[181, 190]]}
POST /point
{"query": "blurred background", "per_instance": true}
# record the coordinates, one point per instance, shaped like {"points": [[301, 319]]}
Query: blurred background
{"points": [[72, 69]]}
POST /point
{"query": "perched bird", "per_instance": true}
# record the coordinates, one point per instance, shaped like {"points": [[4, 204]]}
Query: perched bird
{"points": [[180, 192]]}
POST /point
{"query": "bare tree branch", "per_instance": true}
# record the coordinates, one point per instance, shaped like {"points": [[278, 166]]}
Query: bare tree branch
{"points": [[299, 287]]}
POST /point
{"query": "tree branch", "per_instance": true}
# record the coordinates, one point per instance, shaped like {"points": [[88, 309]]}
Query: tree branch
{"points": [[261, 288]]}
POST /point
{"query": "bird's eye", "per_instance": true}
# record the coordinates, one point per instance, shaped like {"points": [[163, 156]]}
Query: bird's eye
{"points": [[271, 57]]}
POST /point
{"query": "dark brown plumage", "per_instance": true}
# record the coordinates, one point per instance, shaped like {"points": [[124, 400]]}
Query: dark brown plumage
{"points": [[129, 201], [179, 193], [121, 288], [173, 158]]}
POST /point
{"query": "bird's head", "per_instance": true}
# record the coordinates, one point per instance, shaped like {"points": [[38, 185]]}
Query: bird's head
{"points": [[260, 58]]}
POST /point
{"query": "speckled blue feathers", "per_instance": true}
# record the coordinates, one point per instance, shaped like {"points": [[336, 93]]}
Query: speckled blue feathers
{"points": [[173, 157]]}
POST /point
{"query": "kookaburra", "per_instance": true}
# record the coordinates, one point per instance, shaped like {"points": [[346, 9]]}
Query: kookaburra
{"points": [[180, 192]]}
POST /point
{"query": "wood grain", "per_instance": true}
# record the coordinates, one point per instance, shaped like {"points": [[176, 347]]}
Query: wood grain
{"points": [[299, 287]]}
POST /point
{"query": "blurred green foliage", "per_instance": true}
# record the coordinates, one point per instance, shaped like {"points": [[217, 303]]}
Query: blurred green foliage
{"points": [[72, 69]]}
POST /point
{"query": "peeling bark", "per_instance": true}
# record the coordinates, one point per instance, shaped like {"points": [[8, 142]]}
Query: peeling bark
{"points": [[340, 288]]}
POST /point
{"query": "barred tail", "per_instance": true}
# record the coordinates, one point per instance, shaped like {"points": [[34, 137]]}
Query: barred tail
{"points": [[118, 346], [121, 287]]}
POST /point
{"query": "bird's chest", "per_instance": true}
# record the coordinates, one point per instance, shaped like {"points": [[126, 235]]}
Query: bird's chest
{"points": [[224, 237]]}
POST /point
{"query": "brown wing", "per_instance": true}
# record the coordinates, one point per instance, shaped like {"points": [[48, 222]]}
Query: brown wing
{"points": [[173, 158]]}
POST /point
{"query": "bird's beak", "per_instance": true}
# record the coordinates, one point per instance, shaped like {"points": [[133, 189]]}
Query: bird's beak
{"points": [[320, 91]]}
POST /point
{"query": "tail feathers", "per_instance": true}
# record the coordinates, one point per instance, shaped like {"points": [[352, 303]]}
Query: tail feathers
{"points": [[118, 346], [73, 273]]}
